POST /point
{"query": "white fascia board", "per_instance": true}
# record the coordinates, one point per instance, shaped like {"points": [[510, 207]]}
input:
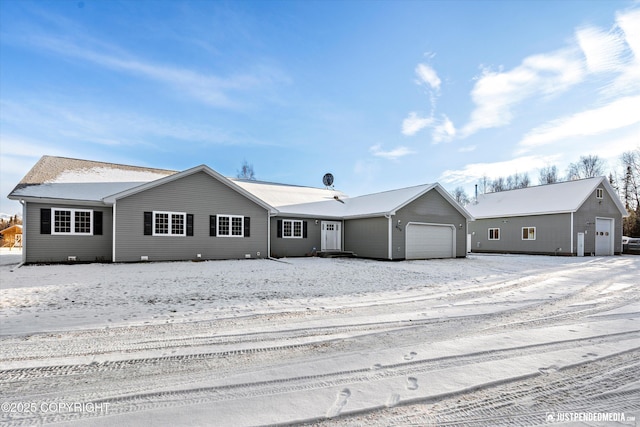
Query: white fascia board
{"points": [[523, 214], [53, 201]]}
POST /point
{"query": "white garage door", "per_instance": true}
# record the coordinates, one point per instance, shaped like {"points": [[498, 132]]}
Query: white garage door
{"points": [[430, 241]]}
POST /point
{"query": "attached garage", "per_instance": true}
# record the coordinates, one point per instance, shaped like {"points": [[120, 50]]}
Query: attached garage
{"points": [[424, 241]]}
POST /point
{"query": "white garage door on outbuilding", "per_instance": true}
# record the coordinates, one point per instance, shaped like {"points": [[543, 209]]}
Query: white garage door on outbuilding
{"points": [[424, 241]]}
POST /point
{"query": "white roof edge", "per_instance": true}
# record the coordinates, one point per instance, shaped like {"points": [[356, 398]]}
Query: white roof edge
{"points": [[444, 193], [170, 178], [612, 193], [34, 199], [524, 214]]}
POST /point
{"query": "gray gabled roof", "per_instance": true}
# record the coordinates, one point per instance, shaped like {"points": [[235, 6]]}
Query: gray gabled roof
{"points": [[370, 205], [561, 197], [59, 179]]}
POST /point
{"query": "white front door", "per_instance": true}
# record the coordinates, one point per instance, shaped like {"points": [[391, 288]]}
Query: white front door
{"points": [[580, 244], [331, 236], [604, 236]]}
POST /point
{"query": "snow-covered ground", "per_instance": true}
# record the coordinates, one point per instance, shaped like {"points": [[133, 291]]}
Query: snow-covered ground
{"points": [[486, 340]]}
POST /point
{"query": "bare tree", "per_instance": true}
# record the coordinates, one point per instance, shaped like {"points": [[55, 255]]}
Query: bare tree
{"points": [[498, 184], [461, 196], [548, 175], [246, 172], [587, 167]]}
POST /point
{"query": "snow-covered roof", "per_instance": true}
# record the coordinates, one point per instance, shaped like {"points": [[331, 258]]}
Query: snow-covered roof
{"points": [[56, 178], [560, 197], [80, 191], [62, 178], [278, 195], [377, 204], [52, 169]]}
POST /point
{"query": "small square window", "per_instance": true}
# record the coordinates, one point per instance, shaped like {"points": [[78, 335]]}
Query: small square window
{"points": [[292, 229], [528, 233], [494, 234]]}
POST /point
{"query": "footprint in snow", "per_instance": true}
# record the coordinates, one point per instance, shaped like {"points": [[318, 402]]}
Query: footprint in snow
{"points": [[412, 383], [410, 355], [341, 400]]}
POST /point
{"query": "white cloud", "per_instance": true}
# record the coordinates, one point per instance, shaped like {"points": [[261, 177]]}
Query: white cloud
{"points": [[444, 131], [394, 154], [496, 93], [602, 50], [467, 149], [428, 75], [413, 124], [205, 87], [616, 115], [475, 171], [629, 23]]}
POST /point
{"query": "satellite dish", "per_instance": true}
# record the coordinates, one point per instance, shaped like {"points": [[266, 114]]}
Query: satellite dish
{"points": [[327, 180]]}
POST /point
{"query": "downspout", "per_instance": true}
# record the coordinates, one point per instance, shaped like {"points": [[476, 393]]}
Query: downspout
{"points": [[269, 216], [113, 234], [572, 233], [390, 249]]}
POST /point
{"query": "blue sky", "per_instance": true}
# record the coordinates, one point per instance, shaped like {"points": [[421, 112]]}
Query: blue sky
{"points": [[383, 94]]}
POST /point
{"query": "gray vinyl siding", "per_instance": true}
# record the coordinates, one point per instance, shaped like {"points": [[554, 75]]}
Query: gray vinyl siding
{"points": [[45, 248], [552, 234], [367, 237], [198, 194], [585, 218], [292, 247], [432, 208], [553, 231]]}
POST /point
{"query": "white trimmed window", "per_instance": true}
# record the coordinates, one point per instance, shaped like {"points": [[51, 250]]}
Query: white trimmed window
{"points": [[72, 221], [292, 229], [528, 233], [230, 225], [599, 193], [169, 223], [494, 234]]}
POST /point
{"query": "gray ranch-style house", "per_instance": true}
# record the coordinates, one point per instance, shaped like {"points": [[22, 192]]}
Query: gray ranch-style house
{"points": [[87, 211], [581, 217]]}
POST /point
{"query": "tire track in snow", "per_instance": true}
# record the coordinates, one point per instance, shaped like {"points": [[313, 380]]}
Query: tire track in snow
{"points": [[154, 400]]}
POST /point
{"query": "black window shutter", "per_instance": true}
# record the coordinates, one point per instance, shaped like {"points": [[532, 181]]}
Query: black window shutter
{"points": [[247, 226], [212, 225], [189, 224], [45, 221], [148, 223], [279, 228], [97, 223], [304, 229]]}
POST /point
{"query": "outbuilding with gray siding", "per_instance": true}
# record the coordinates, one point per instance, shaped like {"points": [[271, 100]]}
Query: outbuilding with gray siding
{"points": [[581, 217]]}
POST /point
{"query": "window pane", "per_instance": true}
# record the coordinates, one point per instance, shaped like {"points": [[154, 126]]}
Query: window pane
{"points": [[223, 226], [83, 222], [177, 224], [162, 223], [532, 234], [286, 228], [297, 229], [236, 226], [62, 221]]}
